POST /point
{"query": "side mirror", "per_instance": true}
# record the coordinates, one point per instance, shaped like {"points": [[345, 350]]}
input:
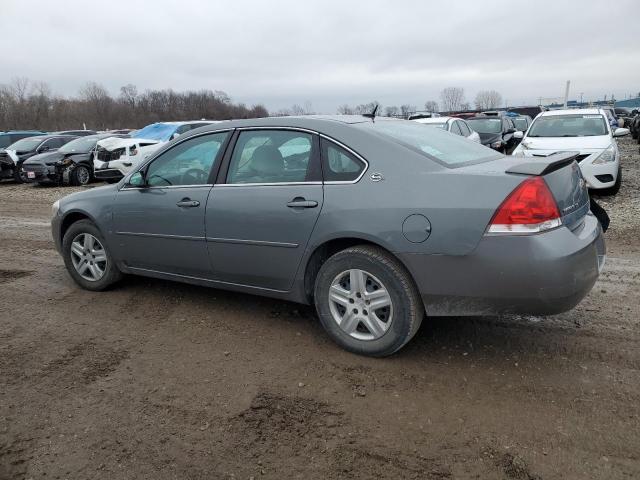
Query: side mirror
{"points": [[518, 135], [43, 148], [137, 180], [620, 132]]}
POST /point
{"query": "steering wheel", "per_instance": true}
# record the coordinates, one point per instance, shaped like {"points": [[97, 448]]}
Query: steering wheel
{"points": [[194, 176]]}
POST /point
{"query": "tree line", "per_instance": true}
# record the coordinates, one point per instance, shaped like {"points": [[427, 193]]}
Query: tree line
{"points": [[452, 99], [32, 105]]}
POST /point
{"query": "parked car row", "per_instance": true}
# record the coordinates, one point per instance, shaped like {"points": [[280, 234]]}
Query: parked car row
{"points": [[79, 156]]}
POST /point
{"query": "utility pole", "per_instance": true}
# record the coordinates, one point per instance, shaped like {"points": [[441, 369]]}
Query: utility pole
{"points": [[581, 94], [566, 93]]}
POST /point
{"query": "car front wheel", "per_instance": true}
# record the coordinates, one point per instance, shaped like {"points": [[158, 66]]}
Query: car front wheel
{"points": [[367, 301], [87, 257], [80, 175]]}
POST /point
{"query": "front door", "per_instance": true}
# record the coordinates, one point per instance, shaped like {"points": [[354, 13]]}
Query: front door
{"points": [[160, 225], [259, 220]]}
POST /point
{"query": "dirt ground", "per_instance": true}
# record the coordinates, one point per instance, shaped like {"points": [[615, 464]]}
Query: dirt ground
{"points": [[160, 380]]}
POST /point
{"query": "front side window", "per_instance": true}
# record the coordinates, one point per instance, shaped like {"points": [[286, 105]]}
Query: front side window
{"points": [[338, 165], [188, 163], [271, 156], [466, 131], [455, 128]]}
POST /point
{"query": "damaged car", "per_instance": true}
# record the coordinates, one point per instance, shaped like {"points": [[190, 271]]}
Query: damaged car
{"points": [[72, 163], [115, 157], [12, 158]]}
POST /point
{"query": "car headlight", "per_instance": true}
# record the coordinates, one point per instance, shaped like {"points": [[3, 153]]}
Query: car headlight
{"points": [[608, 155], [55, 207]]}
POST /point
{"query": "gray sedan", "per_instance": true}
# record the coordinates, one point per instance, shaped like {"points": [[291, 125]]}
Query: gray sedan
{"points": [[374, 222]]}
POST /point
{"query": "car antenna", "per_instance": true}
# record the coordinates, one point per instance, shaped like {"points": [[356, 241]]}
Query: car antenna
{"points": [[372, 115]]}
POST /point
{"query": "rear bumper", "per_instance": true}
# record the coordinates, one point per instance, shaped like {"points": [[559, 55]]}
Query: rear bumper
{"points": [[540, 274]]}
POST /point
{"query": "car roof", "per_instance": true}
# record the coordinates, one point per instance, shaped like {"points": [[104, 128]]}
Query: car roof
{"points": [[572, 111], [435, 120]]}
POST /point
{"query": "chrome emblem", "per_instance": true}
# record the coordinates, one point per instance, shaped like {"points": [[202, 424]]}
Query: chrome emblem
{"points": [[376, 177]]}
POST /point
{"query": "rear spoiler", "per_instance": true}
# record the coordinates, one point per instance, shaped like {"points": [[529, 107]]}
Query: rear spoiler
{"points": [[544, 164]]}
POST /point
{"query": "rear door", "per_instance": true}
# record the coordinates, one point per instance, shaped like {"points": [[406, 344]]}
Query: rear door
{"points": [[160, 226], [260, 216]]}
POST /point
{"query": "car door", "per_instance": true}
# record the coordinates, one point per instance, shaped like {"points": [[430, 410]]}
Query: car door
{"points": [[260, 216], [160, 224]]}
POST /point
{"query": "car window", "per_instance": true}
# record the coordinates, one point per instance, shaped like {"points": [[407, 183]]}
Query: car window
{"points": [[464, 128], [52, 143], [570, 125], [271, 156], [188, 163], [455, 128], [338, 165]]}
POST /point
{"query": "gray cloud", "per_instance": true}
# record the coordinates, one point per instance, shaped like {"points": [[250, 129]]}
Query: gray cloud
{"points": [[328, 52]]}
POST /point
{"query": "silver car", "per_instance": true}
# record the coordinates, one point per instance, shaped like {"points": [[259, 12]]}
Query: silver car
{"points": [[374, 221]]}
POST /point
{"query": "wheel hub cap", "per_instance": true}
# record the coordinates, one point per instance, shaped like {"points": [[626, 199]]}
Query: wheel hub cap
{"points": [[88, 257], [360, 304]]}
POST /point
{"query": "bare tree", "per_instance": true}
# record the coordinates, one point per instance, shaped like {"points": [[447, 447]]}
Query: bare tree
{"points": [[452, 98], [392, 111], [407, 109], [488, 99], [345, 110], [431, 106]]}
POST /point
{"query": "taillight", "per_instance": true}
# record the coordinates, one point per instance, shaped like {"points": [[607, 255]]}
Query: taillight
{"points": [[530, 208]]}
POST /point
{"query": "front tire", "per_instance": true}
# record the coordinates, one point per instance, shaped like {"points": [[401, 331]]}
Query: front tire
{"points": [[367, 301], [87, 257], [80, 176]]}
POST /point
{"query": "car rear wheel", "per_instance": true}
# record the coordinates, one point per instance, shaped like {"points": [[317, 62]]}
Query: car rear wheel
{"points": [[87, 257], [367, 301], [80, 175]]}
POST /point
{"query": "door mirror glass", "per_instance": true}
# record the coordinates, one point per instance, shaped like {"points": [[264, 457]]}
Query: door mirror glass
{"points": [[620, 132], [518, 135], [137, 180]]}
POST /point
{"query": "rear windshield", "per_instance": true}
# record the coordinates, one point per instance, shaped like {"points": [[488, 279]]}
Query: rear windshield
{"points": [[156, 131], [520, 123], [568, 126], [433, 143], [485, 125]]}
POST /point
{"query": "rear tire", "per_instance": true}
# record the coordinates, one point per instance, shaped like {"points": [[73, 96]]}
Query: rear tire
{"points": [[373, 331], [616, 186], [109, 270]]}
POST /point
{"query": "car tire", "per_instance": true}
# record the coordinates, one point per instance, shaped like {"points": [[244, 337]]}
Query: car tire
{"points": [[17, 176], [616, 186], [110, 272], [381, 273], [80, 175]]}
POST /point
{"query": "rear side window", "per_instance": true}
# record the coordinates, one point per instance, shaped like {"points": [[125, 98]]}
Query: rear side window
{"points": [[464, 128], [339, 165], [455, 128]]}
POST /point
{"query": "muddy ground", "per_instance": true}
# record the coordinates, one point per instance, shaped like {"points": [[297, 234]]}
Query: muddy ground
{"points": [[161, 380]]}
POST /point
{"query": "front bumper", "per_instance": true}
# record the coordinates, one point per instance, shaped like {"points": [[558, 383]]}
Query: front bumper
{"points": [[40, 173], [540, 274]]}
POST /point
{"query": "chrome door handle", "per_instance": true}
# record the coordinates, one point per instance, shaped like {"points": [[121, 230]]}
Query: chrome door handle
{"points": [[186, 203], [302, 203]]}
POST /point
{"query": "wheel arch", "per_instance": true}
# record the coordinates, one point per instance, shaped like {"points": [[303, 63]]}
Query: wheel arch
{"points": [[330, 247], [72, 217]]}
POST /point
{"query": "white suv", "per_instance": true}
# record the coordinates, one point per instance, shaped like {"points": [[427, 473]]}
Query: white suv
{"points": [[586, 131], [115, 157]]}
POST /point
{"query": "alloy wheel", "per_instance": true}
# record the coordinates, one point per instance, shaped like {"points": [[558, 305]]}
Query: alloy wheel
{"points": [[360, 304], [88, 256], [82, 174]]}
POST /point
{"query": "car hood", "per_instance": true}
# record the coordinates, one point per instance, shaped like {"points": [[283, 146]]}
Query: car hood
{"points": [[114, 142], [490, 137], [567, 143], [46, 158]]}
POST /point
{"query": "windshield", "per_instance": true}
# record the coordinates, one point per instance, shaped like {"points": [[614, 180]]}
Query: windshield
{"points": [[433, 143], [485, 125], [80, 145], [520, 123], [156, 131], [25, 145], [568, 126]]}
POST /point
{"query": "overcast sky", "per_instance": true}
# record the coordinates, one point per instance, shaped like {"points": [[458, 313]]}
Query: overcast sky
{"points": [[327, 52]]}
